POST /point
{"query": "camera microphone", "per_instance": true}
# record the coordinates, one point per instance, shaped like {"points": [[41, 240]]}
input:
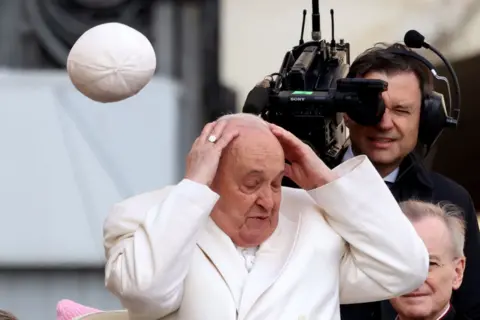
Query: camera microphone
{"points": [[316, 33]]}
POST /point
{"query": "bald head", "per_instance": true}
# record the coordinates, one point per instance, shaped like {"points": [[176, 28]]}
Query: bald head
{"points": [[245, 121], [248, 181], [255, 139]]}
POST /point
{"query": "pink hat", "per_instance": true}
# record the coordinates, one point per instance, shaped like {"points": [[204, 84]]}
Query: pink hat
{"points": [[70, 310]]}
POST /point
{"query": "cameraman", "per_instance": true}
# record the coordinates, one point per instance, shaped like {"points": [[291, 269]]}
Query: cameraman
{"points": [[390, 147]]}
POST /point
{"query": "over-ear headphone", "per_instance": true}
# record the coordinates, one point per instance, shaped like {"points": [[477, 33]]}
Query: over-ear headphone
{"points": [[433, 115]]}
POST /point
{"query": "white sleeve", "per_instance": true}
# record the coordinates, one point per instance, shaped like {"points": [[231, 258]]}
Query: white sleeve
{"points": [[149, 243], [384, 256]]}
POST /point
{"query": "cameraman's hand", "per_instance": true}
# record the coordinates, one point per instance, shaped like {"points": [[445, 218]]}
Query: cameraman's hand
{"points": [[306, 168], [203, 158]]}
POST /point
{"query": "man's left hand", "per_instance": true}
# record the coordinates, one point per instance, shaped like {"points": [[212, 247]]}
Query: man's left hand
{"points": [[306, 169]]}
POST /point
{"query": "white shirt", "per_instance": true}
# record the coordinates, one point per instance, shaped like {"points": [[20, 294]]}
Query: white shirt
{"points": [[390, 178], [248, 255]]}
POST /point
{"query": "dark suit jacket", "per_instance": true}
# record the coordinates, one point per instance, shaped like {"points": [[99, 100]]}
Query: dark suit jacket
{"points": [[452, 315]]}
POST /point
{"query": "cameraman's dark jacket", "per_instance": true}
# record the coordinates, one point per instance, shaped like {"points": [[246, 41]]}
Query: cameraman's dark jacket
{"points": [[416, 182]]}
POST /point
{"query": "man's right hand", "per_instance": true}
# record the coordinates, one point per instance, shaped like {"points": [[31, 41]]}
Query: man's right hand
{"points": [[204, 156]]}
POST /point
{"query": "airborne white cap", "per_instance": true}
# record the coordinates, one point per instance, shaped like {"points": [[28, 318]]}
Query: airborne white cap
{"points": [[111, 62]]}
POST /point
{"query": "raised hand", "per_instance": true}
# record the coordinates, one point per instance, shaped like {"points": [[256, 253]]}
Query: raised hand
{"points": [[204, 156], [306, 169]]}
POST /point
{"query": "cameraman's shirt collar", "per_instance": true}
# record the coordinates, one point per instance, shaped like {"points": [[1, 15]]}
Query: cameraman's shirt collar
{"points": [[390, 178]]}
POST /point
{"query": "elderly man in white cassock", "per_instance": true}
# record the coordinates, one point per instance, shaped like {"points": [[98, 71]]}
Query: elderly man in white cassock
{"points": [[229, 242]]}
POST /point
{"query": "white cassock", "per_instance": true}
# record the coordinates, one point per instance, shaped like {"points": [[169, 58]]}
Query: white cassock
{"points": [[345, 242]]}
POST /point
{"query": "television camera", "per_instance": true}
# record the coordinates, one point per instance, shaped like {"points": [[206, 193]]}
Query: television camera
{"points": [[310, 92]]}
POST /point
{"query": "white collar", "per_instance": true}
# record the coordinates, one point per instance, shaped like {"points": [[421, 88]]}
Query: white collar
{"points": [[441, 316], [248, 251], [390, 178]]}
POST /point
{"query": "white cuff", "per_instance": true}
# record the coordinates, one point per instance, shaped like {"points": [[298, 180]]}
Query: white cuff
{"points": [[196, 193]]}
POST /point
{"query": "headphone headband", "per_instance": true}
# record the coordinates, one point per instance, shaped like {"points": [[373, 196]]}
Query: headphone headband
{"points": [[413, 55]]}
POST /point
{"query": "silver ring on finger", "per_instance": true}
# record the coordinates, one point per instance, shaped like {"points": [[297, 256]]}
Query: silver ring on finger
{"points": [[212, 138]]}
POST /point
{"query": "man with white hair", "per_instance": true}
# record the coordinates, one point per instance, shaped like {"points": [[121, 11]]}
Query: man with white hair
{"points": [[442, 228], [229, 242]]}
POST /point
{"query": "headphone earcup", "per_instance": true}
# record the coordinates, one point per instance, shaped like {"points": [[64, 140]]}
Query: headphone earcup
{"points": [[433, 119]]}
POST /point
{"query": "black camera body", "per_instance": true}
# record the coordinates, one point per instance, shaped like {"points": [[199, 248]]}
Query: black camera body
{"points": [[310, 93]]}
